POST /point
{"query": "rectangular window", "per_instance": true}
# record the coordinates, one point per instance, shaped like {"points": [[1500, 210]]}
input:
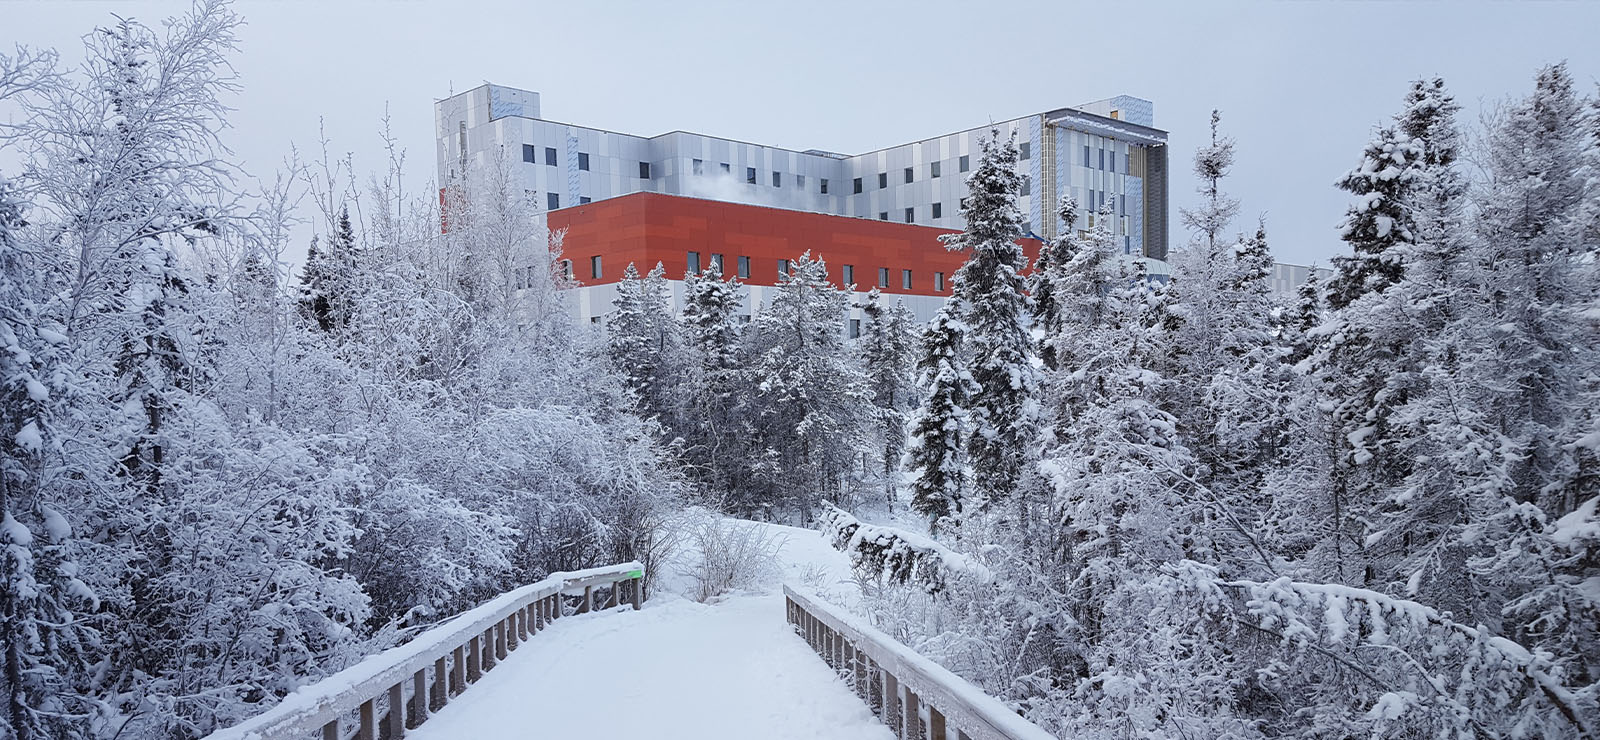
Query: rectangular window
{"points": [[883, 180], [744, 266], [855, 328], [858, 185], [848, 274], [726, 169], [883, 215], [1111, 164], [552, 200], [911, 214], [644, 170], [594, 266], [910, 176], [777, 179], [528, 154], [1027, 228], [1027, 185], [938, 282], [905, 280], [694, 263], [582, 199], [716, 261], [583, 161], [933, 169], [566, 268], [938, 210], [1102, 159], [883, 277], [550, 156], [800, 181], [783, 268], [699, 167], [824, 186], [1085, 155], [750, 175], [1025, 150], [965, 163]]}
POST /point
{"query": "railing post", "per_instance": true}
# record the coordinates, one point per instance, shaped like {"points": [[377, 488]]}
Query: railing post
{"points": [[500, 637], [638, 592], [330, 731], [588, 600], [441, 693], [473, 654], [396, 718], [369, 725], [458, 680], [891, 703], [419, 697], [522, 624], [936, 724], [913, 716]]}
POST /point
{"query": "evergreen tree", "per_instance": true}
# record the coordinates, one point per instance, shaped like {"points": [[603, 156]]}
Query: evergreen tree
{"points": [[331, 287], [996, 310], [1047, 271], [644, 341], [1378, 221], [886, 349], [936, 454], [713, 432]]}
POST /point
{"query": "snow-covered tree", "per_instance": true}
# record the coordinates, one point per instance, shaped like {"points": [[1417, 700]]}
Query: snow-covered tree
{"points": [[936, 455], [887, 347], [996, 310], [714, 445], [644, 341]]}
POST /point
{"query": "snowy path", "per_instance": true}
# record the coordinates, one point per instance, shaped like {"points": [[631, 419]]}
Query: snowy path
{"points": [[676, 669]]}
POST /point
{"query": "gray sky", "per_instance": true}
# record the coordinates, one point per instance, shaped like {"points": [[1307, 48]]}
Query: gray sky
{"points": [[1300, 84]]}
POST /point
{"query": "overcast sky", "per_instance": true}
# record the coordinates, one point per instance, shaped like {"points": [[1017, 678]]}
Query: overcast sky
{"points": [[1300, 84]]}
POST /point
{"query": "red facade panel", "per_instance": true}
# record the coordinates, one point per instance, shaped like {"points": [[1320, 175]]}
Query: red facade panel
{"points": [[646, 228]]}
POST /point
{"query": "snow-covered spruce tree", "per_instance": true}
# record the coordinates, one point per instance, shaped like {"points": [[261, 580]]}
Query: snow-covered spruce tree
{"points": [[887, 346], [713, 442], [1047, 270], [330, 284], [935, 456], [644, 342], [1539, 344], [996, 310], [809, 402], [44, 608]]}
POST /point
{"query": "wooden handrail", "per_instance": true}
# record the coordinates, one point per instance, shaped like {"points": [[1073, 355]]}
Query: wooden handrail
{"points": [[399, 688], [898, 684]]}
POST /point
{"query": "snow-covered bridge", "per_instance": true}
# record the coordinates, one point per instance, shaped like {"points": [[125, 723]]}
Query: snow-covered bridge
{"points": [[575, 654]]}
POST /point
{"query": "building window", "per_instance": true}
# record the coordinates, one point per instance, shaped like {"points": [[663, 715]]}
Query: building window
{"points": [[750, 175], [1027, 185], [644, 170], [744, 266], [824, 186], [933, 169], [783, 268], [911, 214], [883, 180], [1111, 163], [594, 267], [552, 200], [550, 156], [726, 168], [800, 181], [694, 263], [1102, 159], [849, 274], [883, 215], [938, 282], [1086, 155], [883, 277], [716, 262], [855, 328], [583, 161], [699, 167], [965, 163], [905, 279], [858, 185], [938, 210], [582, 199], [777, 179], [528, 154], [1025, 150], [909, 174], [566, 268]]}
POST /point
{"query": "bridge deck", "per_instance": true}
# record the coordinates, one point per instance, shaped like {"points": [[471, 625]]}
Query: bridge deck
{"points": [[677, 669]]}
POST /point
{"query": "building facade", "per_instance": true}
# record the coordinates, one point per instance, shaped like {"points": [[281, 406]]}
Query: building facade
{"points": [[1102, 152]]}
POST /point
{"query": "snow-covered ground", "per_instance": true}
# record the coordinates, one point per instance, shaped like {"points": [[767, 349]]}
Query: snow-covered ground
{"points": [[676, 669]]}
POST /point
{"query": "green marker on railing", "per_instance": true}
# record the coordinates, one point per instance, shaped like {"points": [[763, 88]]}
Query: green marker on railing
{"points": [[635, 574]]}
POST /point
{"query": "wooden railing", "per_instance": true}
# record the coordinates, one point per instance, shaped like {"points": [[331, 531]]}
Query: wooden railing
{"points": [[916, 697], [388, 693]]}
